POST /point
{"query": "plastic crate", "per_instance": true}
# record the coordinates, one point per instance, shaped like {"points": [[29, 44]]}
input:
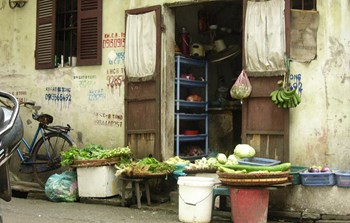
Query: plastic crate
{"points": [[342, 178], [258, 161], [317, 179], [294, 171]]}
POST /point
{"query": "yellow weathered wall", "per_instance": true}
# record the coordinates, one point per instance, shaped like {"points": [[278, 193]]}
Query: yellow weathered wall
{"points": [[94, 102], [320, 125]]}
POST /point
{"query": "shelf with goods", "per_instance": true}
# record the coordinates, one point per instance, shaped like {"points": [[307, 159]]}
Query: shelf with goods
{"points": [[191, 80]]}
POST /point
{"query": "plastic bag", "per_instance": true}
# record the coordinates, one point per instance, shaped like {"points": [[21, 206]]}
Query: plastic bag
{"points": [[62, 187], [242, 87]]}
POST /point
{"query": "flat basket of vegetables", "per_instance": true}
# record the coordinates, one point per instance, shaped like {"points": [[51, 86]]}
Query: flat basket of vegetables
{"points": [[93, 156], [254, 182], [246, 175], [147, 167]]}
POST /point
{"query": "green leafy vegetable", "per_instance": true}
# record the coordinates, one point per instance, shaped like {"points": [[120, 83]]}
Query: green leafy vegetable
{"points": [[93, 152]]}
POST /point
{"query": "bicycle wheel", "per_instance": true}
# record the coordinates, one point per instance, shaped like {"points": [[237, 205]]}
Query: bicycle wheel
{"points": [[47, 155]]}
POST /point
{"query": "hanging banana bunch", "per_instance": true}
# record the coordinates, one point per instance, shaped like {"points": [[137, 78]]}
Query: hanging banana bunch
{"points": [[285, 98]]}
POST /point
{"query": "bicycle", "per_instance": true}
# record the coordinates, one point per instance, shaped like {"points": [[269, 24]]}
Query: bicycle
{"points": [[43, 153]]}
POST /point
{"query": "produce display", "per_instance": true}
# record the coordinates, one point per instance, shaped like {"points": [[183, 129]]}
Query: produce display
{"points": [[285, 98], [93, 152], [239, 168], [244, 151], [146, 167], [212, 163], [176, 160], [317, 169], [249, 175]]}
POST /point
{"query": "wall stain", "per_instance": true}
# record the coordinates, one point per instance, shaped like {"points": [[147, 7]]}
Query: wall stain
{"points": [[2, 5], [80, 137]]}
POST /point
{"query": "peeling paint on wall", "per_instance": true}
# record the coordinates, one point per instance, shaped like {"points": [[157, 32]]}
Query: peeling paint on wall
{"points": [[2, 5]]}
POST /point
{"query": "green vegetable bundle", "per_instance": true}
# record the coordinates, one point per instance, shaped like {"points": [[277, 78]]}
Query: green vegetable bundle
{"points": [[248, 168], [145, 166], [93, 152]]}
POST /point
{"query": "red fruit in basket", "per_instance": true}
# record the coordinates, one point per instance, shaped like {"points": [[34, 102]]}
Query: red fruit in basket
{"points": [[313, 170], [326, 169]]}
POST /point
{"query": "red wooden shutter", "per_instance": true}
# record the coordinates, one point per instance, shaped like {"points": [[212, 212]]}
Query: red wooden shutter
{"points": [[89, 32], [45, 34]]}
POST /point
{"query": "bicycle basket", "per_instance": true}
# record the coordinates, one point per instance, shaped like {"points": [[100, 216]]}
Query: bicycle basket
{"points": [[45, 119]]}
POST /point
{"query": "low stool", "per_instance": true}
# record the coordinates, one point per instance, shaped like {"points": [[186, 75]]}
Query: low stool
{"points": [[137, 185], [222, 192]]}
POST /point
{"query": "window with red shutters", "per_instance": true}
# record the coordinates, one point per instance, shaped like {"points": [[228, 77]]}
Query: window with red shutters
{"points": [[66, 29]]}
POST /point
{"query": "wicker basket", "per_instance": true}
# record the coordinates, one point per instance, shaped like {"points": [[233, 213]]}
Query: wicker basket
{"points": [[194, 171], [254, 182], [253, 175], [95, 163], [144, 175]]}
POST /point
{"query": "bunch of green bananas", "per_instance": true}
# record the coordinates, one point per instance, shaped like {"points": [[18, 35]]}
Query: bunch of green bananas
{"points": [[284, 98]]}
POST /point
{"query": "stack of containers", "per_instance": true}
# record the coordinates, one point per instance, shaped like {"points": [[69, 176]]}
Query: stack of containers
{"points": [[342, 178]]}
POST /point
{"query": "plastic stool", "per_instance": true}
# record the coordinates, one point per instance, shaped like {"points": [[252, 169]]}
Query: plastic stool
{"points": [[219, 191], [135, 186]]}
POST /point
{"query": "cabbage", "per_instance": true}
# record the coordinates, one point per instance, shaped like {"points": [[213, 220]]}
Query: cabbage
{"points": [[221, 158], [232, 159], [212, 160], [231, 162], [244, 151]]}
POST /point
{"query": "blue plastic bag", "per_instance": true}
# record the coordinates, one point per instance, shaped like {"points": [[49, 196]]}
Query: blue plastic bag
{"points": [[62, 187]]}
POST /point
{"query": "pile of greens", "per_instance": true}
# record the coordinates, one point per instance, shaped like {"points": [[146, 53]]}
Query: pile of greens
{"points": [[145, 166], [93, 152]]}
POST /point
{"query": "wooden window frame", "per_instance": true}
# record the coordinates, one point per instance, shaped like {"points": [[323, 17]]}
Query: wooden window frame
{"points": [[304, 3], [89, 33]]}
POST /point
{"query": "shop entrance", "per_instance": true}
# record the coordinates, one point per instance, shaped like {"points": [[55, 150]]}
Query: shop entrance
{"points": [[214, 33]]}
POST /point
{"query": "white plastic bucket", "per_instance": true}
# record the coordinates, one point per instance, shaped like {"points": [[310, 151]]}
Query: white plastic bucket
{"points": [[195, 199]]}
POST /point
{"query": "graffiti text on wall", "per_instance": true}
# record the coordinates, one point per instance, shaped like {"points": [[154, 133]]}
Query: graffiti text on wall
{"points": [[114, 81], [113, 40], [295, 81], [108, 119], [115, 78], [20, 95], [85, 81], [116, 57], [96, 95], [59, 95]]}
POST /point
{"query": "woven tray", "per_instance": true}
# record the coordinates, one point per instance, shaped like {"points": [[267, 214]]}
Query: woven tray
{"points": [[94, 163], [254, 182], [252, 175], [193, 171], [144, 175]]}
